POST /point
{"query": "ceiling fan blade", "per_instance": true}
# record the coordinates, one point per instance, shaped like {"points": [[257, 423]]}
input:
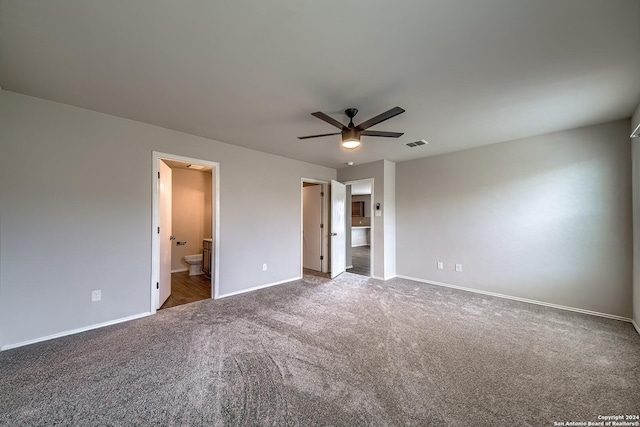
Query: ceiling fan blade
{"points": [[380, 118], [381, 133], [318, 136], [330, 120]]}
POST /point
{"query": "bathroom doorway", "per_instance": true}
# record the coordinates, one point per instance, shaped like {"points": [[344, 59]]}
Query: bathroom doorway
{"points": [[185, 230]]}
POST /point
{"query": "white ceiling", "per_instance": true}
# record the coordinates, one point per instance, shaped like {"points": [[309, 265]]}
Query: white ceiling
{"points": [[250, 72], [175, 164]]}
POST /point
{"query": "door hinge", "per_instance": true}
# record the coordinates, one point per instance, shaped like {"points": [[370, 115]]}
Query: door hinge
{"points": [[321, 257], [158, 175], [321, 225], [157, 285], [158, 230], [322, 194]]}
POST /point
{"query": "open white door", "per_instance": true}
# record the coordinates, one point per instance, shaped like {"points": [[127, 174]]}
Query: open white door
{"points": [[338, 228], [164, 221], [311, 231]]}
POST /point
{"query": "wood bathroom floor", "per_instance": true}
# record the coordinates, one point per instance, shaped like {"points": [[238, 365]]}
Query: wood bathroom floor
{"points": [[361, 260], [186, 289]]}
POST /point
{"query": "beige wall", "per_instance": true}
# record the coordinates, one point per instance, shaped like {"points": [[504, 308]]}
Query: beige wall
{"points": [[546, 218], [389, 213], [191, 213], [76, 215], [635, 120]]}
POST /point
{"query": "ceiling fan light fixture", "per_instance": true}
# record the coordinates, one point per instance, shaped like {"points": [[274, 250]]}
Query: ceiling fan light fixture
{"points": [[350, 138], [351, 143]]}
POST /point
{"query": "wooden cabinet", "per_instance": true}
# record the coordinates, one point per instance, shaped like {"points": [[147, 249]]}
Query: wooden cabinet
{"points": [[357, 209], [207, 250]]}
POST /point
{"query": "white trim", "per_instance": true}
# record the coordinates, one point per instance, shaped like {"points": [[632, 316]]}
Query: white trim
{"points": [[74, 331], [349, 266], [179, 270], [215, 226], [377, 278], [530, 301], [635, 325], [357, 246], [255, 288]]}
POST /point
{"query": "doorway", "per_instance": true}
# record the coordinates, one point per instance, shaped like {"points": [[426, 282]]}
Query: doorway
{"points": [[360, 226], [314, 240], [333, 228], [185, 219]]}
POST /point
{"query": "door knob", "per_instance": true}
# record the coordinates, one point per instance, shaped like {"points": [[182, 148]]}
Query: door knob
{"points": [[334, 234]]}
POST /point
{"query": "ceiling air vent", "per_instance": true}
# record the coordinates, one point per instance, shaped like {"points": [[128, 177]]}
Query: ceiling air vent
{"points": [[416, 143]]}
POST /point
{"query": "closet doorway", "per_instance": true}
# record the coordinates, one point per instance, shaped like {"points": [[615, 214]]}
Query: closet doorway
{"points": [[314, 238]]}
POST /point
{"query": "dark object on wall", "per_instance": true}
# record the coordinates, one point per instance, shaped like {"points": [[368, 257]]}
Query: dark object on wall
{"points": [[206, 257], [357, 209]]}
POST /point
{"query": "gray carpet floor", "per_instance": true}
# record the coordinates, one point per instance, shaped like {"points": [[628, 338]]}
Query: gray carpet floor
{"points": [[349, 351]]}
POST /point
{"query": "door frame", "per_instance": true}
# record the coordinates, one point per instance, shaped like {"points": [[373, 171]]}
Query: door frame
{"points": [[372, 213], [155, 209], [325, 221]]}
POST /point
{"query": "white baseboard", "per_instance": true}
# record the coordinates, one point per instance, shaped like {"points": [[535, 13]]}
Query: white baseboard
{"points": [[349, 266], [75, 331], [635, 325], [358, 246], [530, 301], [179, 270], [384, 279], [255, 288]]}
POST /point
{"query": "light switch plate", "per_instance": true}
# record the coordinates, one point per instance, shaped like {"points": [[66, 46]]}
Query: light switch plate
{"points": [[378, 213]]}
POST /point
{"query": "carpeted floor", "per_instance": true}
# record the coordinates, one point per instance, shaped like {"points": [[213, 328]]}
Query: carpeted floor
{"points": [[349, 351]]}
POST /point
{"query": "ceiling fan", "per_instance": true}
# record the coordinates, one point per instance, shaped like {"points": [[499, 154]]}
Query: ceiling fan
{"points": [[351, 133]]}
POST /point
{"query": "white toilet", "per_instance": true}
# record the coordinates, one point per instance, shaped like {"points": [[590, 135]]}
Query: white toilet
{"points": [[195, 264]]}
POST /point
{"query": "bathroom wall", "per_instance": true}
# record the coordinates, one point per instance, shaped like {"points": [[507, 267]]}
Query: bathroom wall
{"points": [[191, 213]]}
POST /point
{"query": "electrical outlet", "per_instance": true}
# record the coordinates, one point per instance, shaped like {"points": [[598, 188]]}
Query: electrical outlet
{"points": [[96, 295], [264, 267], [440, 265], [458, 267]]}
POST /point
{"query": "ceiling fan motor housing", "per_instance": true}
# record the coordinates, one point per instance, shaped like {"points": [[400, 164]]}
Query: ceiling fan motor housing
{"points": [[350, 134]]}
